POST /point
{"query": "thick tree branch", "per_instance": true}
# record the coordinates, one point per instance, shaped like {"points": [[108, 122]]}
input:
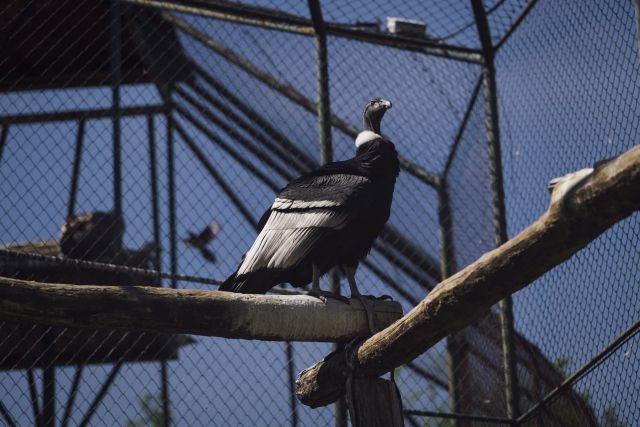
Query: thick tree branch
{"points": [[584, 205], [187, 311]]}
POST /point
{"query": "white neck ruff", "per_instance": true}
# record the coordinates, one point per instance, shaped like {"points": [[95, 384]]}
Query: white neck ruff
{"points": [[366, 136]]}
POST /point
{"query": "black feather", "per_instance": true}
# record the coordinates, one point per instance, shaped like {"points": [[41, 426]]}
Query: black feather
{"points": [[328, 217]]}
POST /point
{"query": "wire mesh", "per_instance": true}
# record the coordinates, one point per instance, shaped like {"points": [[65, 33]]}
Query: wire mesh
{"points": [[210, 117]]}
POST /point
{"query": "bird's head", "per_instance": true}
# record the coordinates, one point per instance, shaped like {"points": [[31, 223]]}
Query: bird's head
{"points": [[373, 113]]}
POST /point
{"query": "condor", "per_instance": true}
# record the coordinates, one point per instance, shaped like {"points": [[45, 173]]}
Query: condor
{"points": [[326, 218]]}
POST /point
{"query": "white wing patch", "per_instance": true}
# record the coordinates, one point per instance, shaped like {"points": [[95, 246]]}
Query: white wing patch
{"points": [[288, 237], [284, 204]]}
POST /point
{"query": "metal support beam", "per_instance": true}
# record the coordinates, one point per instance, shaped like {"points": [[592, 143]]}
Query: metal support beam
{"points": [[75, 172], [155, 203], [3, 138], [323, 111], [462, 128], [77, 115], [164, 394], [291, 377], [289, 92], [277, 20], [171, 189], [260, 121], [455, 345], [604, 354], [9, 255], [426, 375], [33, 395], [517, 22], [86, 420], [292, 160], [247, 165], [217, 177], [116, 77], [48, 381], [73, 392], [157, 261], [236, 136], [459, 417], [492, 128], [6, 415], [322, 83], [636, 9]]}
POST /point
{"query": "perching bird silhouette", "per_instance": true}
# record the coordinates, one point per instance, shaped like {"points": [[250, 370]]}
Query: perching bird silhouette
{"points": [[201, 240], [324, 219]]}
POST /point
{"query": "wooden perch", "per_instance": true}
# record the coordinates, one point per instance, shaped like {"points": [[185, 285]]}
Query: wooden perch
{"points": [[187, 311], [584, 205]]}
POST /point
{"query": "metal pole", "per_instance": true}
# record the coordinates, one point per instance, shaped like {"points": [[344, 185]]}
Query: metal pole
{"points": [[217, 177], [155, 205], [33, 394], [71, 398], [76, 115], [499, 214], [228, 148], [7, 416], [270, 18], [171, 188], [102, 392], [455, 343], [115, 104], [275, 146], [75, 174], [173, 251], [636, 8], [155, 217], [3, 138], [289, 92], [287, 146], [48, 381], [602, 355], [323, 111], [293, 402]]}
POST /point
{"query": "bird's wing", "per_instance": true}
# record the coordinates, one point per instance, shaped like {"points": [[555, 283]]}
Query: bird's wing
{"points": [[208, 255], [302, 214], [208, 233]]}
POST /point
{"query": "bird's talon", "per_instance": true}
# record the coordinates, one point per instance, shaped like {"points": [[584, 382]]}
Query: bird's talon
{"points": [[324, 295]]}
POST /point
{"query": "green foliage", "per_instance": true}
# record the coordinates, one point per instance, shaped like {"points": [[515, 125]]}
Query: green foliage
{"points": [[150, 411], [561, 364], [610, 417]]}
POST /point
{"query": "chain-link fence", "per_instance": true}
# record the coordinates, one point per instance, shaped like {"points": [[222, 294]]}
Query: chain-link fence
{"points": [[131, 127]]}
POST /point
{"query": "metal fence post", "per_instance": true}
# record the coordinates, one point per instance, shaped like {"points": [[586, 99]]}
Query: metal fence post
{"points": [[499, 214], [447, 268], [116, 77], [326, 148]]}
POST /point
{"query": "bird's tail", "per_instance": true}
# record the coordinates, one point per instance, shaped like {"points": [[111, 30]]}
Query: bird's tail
{"points": [[229, 284], [252, 283]]}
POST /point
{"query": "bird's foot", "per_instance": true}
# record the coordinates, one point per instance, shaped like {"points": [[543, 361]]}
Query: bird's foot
{"points": [[323, 295]]}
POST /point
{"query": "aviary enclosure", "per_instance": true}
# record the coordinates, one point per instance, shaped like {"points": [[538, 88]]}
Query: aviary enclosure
{"points": [[128, 124]]}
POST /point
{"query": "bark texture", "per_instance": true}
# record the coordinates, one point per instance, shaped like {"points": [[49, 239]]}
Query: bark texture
{"points": [[187, 311]]}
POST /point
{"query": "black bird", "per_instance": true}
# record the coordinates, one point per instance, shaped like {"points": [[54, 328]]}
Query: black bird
{"points": [[326, 218], [201, 240]]}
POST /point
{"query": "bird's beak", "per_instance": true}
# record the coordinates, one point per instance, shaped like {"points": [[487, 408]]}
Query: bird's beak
{"points": [[386, 104]]}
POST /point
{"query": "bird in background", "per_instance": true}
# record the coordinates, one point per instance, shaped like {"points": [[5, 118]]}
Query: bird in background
{"points": [[202, 239], [326, 218]]}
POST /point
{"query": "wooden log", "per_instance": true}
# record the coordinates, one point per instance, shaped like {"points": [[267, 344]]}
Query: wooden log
{"points": [[188, 311], [584, 205]]}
